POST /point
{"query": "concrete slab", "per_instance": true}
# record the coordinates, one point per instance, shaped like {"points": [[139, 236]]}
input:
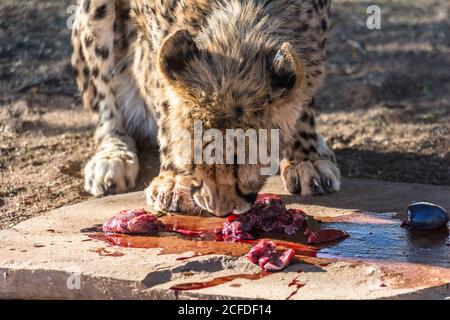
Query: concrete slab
{"points": [[48, 257]]}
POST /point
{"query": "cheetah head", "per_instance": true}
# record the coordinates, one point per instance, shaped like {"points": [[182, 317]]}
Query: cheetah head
{"points": [[228, 82]]}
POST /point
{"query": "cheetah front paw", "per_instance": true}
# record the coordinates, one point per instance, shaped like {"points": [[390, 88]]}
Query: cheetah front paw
{"points": [[109, 173], [171, 193], [310, 178]]}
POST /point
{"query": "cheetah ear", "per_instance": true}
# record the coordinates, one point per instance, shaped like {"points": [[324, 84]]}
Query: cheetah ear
{"points": [[286, 70], [175, 53]]}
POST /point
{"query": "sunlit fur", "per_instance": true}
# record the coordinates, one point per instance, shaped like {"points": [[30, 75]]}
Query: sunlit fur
{"points": [[230, 64]]}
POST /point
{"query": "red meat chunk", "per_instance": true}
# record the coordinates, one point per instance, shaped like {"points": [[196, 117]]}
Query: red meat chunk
{"points": [[264, 254], [268, 214], [236, 230], [133, 221], [326, 235]]}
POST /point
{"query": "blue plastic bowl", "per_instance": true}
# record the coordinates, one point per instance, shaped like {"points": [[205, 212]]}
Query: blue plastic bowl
{"points": [[426, 216]]}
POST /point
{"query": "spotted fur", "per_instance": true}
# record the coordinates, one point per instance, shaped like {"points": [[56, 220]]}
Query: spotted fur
{"points": [[150, 68]]}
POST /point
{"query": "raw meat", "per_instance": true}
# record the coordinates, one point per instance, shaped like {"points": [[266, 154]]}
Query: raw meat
{"points": [[264, 254], [326, 235], [268, 214], [133, 221]]}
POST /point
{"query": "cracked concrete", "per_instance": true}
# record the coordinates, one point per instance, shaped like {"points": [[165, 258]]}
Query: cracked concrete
{"points": [[48, 257]]}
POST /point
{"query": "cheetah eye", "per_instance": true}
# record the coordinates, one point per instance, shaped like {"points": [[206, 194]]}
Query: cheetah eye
{"points": [[249, 197], [196, 186], [238, 111]]}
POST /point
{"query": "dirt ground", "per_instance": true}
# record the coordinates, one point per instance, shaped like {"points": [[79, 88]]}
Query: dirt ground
{"points": [[384, 108]]}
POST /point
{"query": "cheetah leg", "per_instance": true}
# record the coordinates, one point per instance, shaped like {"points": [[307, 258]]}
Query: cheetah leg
{"points": [[171, 189], [309, 166], [115, 165]]}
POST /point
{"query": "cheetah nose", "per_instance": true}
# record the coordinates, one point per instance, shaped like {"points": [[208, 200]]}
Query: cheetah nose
{"points": [[220, 214], [242, 208]]}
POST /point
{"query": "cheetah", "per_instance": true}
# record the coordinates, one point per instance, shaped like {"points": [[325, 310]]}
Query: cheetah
{"points": [[150, 68]]}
